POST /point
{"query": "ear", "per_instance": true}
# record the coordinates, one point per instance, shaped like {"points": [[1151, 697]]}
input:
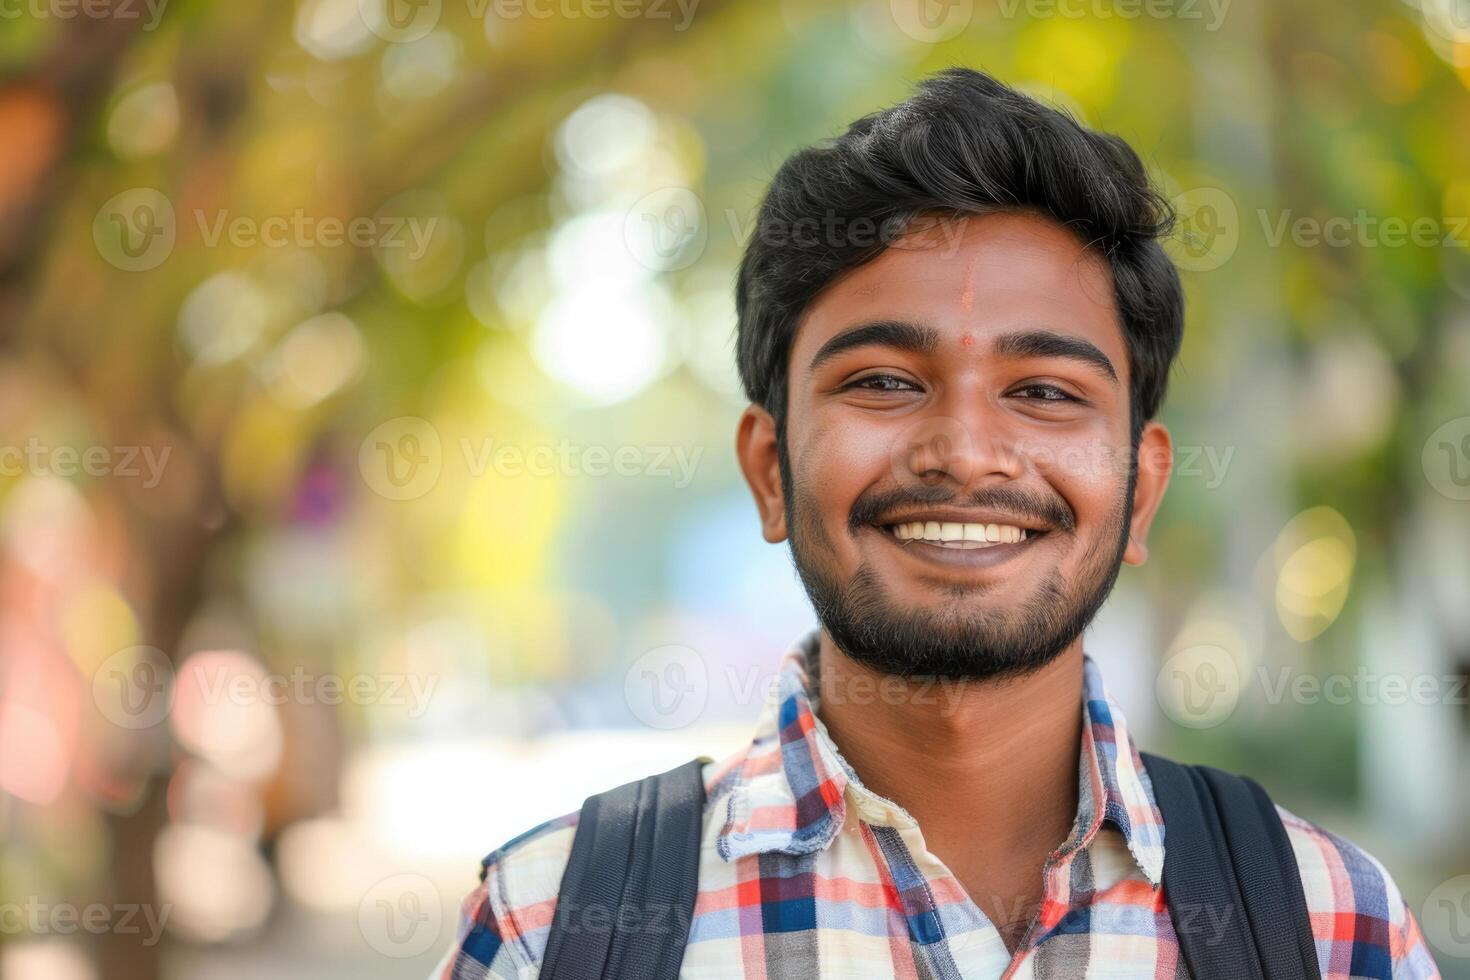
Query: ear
{"points": [[755, 447], [1155, 464]]}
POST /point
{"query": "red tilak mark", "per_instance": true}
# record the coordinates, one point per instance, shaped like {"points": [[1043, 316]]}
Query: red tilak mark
{"points": [[967, 340]]}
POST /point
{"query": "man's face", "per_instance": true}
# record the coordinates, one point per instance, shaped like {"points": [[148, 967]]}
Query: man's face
{"points": [[974, 374]]}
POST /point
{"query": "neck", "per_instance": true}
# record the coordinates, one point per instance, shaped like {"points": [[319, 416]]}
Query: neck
{"points": [[998, 756]]}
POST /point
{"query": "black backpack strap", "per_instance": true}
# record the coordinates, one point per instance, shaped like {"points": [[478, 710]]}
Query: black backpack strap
{"points": [[627, 895], [1230, 876]]}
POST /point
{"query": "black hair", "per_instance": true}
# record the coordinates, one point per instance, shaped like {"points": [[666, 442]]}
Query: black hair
{"points": [[963, 144]]}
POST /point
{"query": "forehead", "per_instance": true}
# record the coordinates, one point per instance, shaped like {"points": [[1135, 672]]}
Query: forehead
{"points": [[973, 276]]}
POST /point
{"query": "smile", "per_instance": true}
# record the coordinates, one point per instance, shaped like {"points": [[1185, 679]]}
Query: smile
{"points": [[964, 536], [959, 546]]}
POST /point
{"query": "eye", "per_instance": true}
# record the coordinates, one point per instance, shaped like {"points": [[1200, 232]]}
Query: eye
{"points": [[881, 382], [1050, 393]]}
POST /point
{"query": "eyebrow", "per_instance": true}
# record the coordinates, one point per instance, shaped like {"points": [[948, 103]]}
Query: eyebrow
{"points": [[917, 338], [901, 335], [1046, 343]]}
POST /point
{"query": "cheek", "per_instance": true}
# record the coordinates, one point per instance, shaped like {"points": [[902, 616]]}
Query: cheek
{"points": [[1090, 474], [840, 461], [834, 467]]}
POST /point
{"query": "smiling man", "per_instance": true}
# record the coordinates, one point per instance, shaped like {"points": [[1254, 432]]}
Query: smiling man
{"points": [[954, 427]]}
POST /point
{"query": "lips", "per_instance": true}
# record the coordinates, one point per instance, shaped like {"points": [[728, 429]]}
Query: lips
{"points": [[959, 534], [958, 543]]}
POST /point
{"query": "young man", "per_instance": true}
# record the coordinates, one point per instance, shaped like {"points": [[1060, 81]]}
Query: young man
{"points": [[954, 372]]}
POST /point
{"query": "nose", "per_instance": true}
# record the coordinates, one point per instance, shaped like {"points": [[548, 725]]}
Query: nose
{"points": [[964, 441]]}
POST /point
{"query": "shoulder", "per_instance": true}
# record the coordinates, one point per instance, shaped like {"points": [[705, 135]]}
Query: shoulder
{"points": [[1361, 923], [505, 922]]}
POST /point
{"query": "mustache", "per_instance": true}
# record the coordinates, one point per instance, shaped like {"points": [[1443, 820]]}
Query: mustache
{"points": [[873, 505]]}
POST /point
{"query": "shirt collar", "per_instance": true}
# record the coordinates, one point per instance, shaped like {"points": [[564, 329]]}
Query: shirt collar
{"points": [[790, 790]]}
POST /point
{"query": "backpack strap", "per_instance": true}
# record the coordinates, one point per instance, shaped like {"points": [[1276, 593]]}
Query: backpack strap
{"points": [[627, 895], [1230, 877]]}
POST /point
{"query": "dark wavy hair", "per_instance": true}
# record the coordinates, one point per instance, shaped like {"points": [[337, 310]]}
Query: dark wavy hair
{"points": [[963, 144]]}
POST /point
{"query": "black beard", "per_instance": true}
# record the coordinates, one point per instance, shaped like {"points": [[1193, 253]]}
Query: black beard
{"points": [[961, 644]]}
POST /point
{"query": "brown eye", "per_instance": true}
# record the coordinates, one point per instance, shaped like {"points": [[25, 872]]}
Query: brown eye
{"points": [[882, 382], [1050, 393]]}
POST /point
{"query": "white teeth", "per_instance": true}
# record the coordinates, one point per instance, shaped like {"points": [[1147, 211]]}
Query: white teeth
{"points": [[956, 534]]}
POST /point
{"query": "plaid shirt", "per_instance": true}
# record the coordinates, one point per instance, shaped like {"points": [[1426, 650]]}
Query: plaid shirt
{"points": [[805, 874]]}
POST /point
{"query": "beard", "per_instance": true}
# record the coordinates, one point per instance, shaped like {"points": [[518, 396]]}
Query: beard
{"points": [[963, 640]]}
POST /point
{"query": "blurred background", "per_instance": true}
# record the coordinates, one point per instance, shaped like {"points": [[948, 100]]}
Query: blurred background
{"points": [[367, 407]]}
